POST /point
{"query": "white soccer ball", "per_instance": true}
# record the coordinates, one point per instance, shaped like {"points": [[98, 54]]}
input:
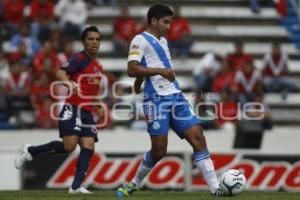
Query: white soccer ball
{"points": [[233, 181]]}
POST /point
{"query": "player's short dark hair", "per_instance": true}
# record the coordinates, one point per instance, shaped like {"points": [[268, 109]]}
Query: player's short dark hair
{"points": [[158, 11], [88, 29]]}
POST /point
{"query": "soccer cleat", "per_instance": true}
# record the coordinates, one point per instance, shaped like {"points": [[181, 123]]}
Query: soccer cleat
{"points": [[23, 156], [219, 192], [126, 190], [80, 190]]}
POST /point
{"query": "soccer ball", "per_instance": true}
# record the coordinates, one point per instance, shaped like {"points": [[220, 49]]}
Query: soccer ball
{"points": [[233, 181]]}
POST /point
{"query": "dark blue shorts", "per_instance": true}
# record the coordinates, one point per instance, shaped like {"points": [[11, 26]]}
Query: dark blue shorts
{"points": [[76, 121]]}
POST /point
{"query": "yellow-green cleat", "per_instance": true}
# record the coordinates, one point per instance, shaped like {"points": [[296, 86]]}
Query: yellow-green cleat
{"points": [[126, 190], [220, 192]]}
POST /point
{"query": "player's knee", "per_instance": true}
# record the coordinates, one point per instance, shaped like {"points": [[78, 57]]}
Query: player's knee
{"points": [[88, 145], [69, 147], [198, 140]]}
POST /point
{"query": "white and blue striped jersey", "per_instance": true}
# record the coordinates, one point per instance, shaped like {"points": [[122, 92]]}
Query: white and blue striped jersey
{"points": [[153, 53]]}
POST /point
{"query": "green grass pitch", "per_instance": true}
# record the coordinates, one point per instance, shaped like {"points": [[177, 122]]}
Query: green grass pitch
{"points": [[141, 195]]}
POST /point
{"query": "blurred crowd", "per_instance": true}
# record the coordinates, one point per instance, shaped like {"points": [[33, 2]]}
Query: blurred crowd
{"points": [[38, 36], [237, 81]]}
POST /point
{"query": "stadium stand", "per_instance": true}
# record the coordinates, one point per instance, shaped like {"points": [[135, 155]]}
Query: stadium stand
{"points": [[215, 26]]}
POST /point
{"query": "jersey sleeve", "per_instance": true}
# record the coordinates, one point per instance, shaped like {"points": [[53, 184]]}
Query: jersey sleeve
{"points": [[137, 48], [72, 66]]}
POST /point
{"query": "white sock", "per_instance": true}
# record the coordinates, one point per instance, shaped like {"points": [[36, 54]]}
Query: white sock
{"points": [[142, 172], [207, 169]]}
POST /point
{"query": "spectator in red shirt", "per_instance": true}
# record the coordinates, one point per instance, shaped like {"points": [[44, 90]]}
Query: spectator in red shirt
{"points": [[239, 57], [142, 25], [68, 51], [227, 109], [249, 82], [46, 59], [224, 80], [49, 68], [179, 35], [42, 15], [14, 11], [275, 71], [124, 31], [281, 7], [43, 117], [56, 39], [41, 101], [18, 82], [17, 88], [13, 15], [40, 90]]}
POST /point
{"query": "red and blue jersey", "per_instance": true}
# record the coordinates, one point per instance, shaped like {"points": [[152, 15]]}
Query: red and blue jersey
{"points": [[86, 72]]}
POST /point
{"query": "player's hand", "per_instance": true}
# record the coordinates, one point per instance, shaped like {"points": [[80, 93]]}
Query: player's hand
{"points": [[100, 112], [74, 87], [168, 74]]}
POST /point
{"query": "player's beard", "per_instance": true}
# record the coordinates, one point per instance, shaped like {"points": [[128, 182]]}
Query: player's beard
{"points": [[162, 32]]}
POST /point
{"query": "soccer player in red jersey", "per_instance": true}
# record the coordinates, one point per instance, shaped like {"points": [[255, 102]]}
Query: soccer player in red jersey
{"points": [[76, 124]]}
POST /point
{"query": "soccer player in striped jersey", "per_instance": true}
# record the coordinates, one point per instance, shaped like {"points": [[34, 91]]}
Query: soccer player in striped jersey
{"points": [[165, 106]]}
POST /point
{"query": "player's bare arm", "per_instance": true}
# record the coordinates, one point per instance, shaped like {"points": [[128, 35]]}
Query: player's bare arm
{"points": [[135, 69], [137, 85], [62, 75]]}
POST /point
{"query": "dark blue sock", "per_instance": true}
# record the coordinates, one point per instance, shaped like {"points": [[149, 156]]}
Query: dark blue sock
{"points": [[82, 167], [49, 148]]}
